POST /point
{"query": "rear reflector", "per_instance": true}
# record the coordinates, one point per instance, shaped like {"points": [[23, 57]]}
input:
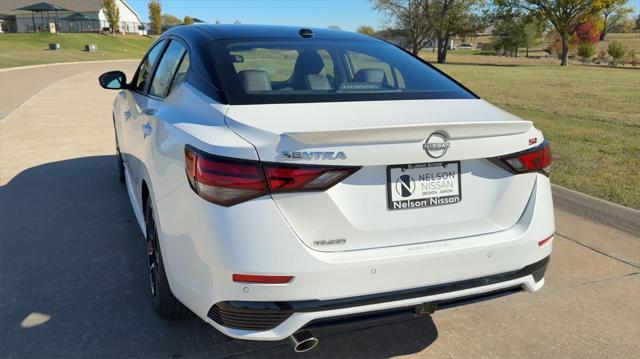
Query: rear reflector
{"points": [[545, 241], [537, 159], [228, 181], [265, 279]]}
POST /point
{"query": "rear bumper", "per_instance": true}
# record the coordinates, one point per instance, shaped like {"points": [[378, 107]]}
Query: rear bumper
{"points": [[276, 320], [253, 238]]}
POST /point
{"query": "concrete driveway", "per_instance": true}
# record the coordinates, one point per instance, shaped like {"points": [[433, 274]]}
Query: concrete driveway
{"points": [[73, 276]]}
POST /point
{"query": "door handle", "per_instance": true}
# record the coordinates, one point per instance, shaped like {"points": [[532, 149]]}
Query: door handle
{"points": [[146, 129], [127, 115], [149, 111]]}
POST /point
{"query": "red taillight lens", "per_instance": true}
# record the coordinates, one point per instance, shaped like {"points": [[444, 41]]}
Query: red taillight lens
{"points": [[224, 181], [537, 159], [285, 178], [227, 181], [265, 279]]}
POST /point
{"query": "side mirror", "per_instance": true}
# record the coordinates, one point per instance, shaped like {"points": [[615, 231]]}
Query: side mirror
{"points": [[113, 80]]}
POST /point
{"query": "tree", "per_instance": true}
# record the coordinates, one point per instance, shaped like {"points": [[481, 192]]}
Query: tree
{"points": [[169, 20], [613, 13], [366, 30], [454, 18], [112, 13], [533, 31], [565, 16], [508, 34], [410, 18], [188, 20], [515, 27], [421, 20], [638, 23], [155, 16]]}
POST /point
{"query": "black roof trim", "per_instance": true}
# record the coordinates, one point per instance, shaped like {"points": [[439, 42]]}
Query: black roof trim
{"points": [[241, 31]]}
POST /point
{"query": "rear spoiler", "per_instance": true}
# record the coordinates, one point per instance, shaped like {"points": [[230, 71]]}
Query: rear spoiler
{"points": [[410, 133]]}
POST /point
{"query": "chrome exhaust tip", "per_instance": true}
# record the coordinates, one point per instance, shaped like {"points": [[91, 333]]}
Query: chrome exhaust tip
{"points": [[303, 341]]}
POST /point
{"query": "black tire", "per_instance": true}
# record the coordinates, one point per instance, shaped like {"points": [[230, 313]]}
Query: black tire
{"points": [[118, 155], [120, 166], [164, 302]]}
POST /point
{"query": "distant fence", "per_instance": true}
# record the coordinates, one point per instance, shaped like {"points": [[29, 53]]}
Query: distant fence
{"points": [[82, 26]]}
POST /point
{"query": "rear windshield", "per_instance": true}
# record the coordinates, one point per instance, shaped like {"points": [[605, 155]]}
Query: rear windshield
{"points": [[310, 70]]}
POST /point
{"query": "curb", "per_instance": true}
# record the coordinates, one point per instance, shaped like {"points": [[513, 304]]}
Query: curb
{"points": [[624, 218], [63, 63]]}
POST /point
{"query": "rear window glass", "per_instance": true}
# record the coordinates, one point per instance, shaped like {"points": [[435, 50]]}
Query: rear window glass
{"points": [[288, 71]]}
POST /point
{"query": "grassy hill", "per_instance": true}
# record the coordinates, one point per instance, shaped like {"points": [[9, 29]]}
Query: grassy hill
{"points": [[31, 49], [590, 115]]}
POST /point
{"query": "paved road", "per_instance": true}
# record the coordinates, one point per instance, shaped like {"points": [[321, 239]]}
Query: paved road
{"points": [[16, 88], [72, 266]]}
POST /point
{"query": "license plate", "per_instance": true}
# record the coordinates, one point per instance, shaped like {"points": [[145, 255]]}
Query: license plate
{"points": [[422, 185]]}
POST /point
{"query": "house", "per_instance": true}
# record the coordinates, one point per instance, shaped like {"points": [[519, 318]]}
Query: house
{"points": [[76, 16]]}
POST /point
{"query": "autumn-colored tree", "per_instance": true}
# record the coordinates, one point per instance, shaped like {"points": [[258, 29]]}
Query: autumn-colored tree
{"points": [[112, 13], [366, 30], [565, 16], [613, 13], [155, 16], [188, 20], [587, 32]]}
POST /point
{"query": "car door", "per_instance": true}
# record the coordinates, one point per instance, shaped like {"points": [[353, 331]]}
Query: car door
{"points": [[168, 73], [136, 112]]}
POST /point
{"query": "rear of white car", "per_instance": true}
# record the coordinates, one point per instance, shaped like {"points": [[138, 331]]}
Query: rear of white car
{"points": [[329, 183]]}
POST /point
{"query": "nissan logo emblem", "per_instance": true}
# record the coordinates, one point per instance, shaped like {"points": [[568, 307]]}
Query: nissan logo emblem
{"points": [[436, 145]]}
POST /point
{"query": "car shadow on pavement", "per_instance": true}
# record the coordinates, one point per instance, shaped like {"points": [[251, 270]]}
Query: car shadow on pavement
{"points": [[73, 280]]}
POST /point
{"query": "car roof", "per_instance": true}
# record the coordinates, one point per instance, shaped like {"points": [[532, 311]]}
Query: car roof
{"points": [[241, 31]]}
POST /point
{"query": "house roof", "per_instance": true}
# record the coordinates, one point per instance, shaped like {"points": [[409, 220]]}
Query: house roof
{"points": [[42, 6], [8, 6]]}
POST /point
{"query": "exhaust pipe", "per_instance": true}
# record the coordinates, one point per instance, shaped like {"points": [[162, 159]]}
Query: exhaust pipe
{"points": [[303, 341]]}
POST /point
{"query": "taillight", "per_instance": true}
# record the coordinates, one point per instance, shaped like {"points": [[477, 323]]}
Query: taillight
{"points": [[537, 159], [228, 181]]}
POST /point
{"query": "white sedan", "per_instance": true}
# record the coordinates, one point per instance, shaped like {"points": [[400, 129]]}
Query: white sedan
{"points": [[288, 180]]}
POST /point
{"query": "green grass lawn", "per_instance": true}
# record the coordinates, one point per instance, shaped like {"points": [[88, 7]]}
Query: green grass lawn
{"points": [[630, 40], [590, 115], [31, 49]]}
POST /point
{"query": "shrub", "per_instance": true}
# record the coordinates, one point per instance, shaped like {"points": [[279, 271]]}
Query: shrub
{"points": [[485, 53], [585, 51], [489, 46], [617, 51], [633, 60]]}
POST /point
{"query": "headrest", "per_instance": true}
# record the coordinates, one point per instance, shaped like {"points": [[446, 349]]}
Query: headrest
{"points": [[369, 75], [318, 82], [308, 63], [255, 80]]}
